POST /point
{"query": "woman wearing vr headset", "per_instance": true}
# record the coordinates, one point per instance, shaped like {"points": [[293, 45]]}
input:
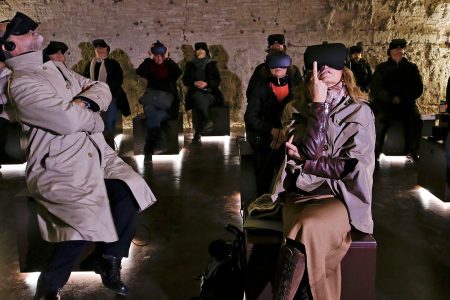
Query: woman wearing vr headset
{"points": [[263, 119], [326, 184], [163, 101]]}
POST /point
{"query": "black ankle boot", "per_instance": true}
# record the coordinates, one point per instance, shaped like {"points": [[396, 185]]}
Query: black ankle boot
{"points": [[109, 269], [42, 292]]}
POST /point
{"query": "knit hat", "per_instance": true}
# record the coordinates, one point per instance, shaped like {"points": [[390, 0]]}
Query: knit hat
{"points": [[202, 45], [54, 46], [158, 48], [355, 49], [100, 43], [275, 38], [395, 43]]}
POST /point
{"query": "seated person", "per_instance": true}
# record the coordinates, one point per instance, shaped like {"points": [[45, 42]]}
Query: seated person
{"points": [[396, 85], [263, 119], [326, 183], [161, 100], [202, 78]]}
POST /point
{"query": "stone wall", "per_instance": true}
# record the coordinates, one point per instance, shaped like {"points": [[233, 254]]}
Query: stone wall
{"points": [[237, 30]]}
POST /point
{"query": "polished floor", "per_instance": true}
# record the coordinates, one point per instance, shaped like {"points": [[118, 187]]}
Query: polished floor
{"points": [[198, 194]]}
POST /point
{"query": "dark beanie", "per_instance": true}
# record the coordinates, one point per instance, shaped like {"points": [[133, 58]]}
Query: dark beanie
{"points": [[54, 46], [356, 49], [158, 48], [275, 38], [395, 43], [202, 45]]}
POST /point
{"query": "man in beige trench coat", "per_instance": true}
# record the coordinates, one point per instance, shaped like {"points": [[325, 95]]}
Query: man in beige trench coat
{"points": [[85, 192]]}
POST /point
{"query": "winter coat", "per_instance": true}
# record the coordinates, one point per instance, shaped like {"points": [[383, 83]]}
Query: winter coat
{"points": [[67, 156], [168, 83], [114, 80], [262, 73], [212, 78], [402, 80], [349, 135], [264, 112], [362, 72]]}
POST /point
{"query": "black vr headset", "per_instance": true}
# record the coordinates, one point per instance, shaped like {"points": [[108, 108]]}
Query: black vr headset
{"points": [[158, 48], [21, 24], [332, 55], [278, 60]]}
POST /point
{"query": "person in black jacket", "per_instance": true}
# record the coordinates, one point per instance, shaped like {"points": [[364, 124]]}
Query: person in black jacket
{"points": [[161, 73], [276, 43], [102, 68], [202, 77], [360, 68], [395, 87], [263, 119]]}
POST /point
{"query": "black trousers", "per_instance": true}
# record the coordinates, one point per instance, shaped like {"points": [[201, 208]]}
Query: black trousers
{"points": [[267, 164], [124, 209], [412, 126]]}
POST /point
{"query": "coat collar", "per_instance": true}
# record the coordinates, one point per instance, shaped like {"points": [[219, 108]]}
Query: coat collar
{"points": [[25, 61]]}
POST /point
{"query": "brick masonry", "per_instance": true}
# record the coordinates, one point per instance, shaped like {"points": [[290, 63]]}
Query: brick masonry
{"points": [[237, 32]]}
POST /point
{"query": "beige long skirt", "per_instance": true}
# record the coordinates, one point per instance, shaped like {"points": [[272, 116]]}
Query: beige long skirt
{"points": [[323, 226]]}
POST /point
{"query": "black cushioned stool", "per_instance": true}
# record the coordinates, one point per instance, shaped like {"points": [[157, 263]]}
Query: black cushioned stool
{"points": [[220, 116], [173, 131]]}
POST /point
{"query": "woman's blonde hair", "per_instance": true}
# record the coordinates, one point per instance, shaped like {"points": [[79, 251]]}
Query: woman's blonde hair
{"points": [[302, 94]]}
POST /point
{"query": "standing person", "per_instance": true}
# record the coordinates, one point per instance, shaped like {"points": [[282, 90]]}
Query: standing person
{"points": [[85, 193], [56, 50], [161, 100], [395, 87], [327, 177], [263, 119], [202, 78], [276, 43], [105, 69], [360, 68]]}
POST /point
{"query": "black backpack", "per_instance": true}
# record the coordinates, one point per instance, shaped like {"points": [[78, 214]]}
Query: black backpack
{"points": [[224, 275]]}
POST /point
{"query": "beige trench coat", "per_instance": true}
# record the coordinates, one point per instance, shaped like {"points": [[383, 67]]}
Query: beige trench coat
{"points": [[68, 158], [351, 133]]}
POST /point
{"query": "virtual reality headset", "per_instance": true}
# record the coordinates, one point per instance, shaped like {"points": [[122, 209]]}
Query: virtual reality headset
{"points": [[278, 60], [332, 55], [158, 48]]}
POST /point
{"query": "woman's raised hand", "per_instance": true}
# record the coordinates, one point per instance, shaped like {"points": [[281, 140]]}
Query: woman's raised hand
{"points": [[317, 87]]}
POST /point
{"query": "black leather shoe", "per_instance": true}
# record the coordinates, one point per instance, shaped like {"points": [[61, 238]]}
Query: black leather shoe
{"points": [[109, 269], [43, 294]]}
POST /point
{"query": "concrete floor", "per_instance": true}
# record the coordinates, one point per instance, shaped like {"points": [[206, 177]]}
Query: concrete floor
{"points": [[198, 195]]}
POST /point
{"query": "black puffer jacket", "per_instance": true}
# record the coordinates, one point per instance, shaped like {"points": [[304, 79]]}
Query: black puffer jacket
{"points": [[264, 112]]}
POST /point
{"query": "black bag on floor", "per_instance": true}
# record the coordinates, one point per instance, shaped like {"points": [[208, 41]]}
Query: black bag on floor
{"points": [[225, 272]]}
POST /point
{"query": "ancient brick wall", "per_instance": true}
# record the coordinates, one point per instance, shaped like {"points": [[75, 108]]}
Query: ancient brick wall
{"points": [[237, 32]]}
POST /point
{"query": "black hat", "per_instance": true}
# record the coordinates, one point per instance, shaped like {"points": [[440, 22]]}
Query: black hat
{"points": [[158, 48], [54, 46], [100, 43], [395, 43], [19, 25], [278, 60], [275, 38], [202, 45], [355, 49], [332, 55]]}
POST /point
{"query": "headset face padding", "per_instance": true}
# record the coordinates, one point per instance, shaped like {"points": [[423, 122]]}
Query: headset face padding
{"points": [[333, 55], [9, 46]]}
